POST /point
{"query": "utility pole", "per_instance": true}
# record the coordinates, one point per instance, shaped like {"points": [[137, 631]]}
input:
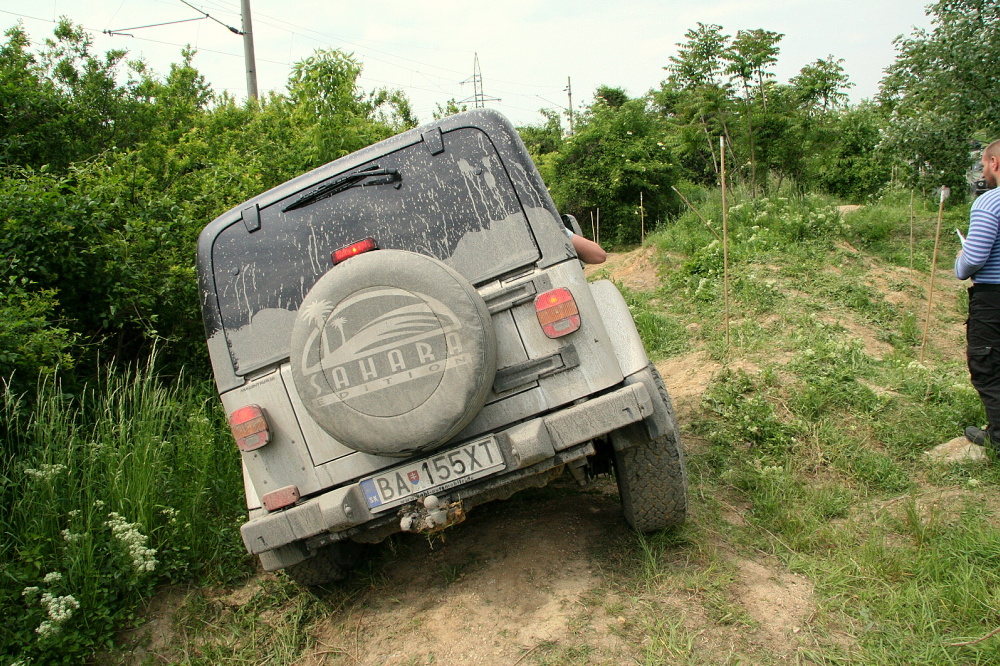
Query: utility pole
{"points": [[248, 55], [569, 92], [478, 98]]}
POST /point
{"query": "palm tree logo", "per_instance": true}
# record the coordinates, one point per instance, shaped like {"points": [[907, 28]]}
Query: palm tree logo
{"points": [[316, 313], [339, 323]]}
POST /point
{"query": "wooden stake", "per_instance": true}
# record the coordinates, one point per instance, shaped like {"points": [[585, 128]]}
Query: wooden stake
{"points": [[725, 235], [593, 232], [642, 221], [597, 236], [695, 211], [930, 289], [911, 228]]}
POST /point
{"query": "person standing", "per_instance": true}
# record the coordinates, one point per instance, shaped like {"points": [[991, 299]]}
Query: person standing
{"points": [[980, 260]]}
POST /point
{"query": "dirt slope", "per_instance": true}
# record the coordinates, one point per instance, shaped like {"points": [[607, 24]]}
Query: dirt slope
{"points": [[538, 582]]}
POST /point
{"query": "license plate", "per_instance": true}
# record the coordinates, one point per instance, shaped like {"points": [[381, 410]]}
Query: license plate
{"points": [[439, 472]]}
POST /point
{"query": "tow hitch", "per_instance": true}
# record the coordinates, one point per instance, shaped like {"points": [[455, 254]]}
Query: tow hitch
{"points": [[430, 514]]}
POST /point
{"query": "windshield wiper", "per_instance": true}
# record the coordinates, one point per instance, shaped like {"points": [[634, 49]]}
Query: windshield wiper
{"points": [[358, 178]]}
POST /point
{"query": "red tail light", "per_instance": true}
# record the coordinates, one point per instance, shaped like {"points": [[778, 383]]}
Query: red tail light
{"points": [[557, 312], [249, 428], [353, 249]]}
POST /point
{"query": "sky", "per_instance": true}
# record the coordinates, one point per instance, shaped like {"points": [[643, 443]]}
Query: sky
{"points": [[529, 51]]}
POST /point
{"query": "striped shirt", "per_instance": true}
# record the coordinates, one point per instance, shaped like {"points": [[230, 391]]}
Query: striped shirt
{"points": [[980, 258]]}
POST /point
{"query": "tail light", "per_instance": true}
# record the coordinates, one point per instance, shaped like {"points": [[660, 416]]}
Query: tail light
{"points": [[557, 312], [249, 428], [353, 249]]}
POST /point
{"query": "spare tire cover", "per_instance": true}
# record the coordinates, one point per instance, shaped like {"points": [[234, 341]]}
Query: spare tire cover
{"points": [[393, 352]]}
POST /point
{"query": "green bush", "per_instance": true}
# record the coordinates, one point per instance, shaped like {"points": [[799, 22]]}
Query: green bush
{"points": [[31, 343]]}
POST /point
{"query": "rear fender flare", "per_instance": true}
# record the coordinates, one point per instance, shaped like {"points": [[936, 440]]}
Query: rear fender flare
{"points": [[621, 329]]}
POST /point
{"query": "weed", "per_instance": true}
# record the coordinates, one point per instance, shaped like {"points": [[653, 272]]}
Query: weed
{"points": [[450, 573], [744, 415], [669, 642]]}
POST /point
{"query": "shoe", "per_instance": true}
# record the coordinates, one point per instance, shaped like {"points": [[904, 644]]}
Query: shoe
{"points": [[976, 435]]}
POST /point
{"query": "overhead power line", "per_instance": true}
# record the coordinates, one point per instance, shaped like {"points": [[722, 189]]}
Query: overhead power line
{"points": [[120, 32], [208, 16]]}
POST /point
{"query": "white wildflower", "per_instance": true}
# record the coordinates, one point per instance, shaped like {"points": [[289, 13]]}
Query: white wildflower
{"points": [[70, 537], [46, 629], [52, 577], [134, 541], [59, 610], [29, 591], [45, 472]]}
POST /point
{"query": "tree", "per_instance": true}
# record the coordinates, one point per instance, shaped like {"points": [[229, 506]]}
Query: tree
{"points": [[323, 96], [617, 154], [66, 104], [942, 90], [699, 60], [822, 85], [450, 108], [696, 100], [749, 58], [611, 96], [543, 139], [852, 164]]}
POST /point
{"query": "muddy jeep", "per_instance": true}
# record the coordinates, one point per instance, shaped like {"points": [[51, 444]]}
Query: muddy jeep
{"points": [[406, 333]]}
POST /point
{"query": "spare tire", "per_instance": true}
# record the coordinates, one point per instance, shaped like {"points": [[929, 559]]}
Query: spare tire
{"points": [[393, 352]]}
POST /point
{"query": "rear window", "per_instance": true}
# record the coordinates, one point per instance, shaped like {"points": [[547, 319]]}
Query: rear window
{"points": [[458, 206]]}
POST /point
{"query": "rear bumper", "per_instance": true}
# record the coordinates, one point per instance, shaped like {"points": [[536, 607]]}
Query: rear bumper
{"points": [[530, 444]]}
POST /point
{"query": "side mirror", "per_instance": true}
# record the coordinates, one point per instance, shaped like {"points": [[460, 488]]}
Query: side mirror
{"points": [[572, 224]]}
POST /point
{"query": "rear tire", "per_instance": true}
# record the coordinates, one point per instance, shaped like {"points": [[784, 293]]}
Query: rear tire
{"points": [[651, 475], [330, 564], [393, 353]]}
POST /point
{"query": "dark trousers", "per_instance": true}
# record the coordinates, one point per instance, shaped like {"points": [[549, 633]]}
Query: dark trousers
{"points": [[983, 337]]}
